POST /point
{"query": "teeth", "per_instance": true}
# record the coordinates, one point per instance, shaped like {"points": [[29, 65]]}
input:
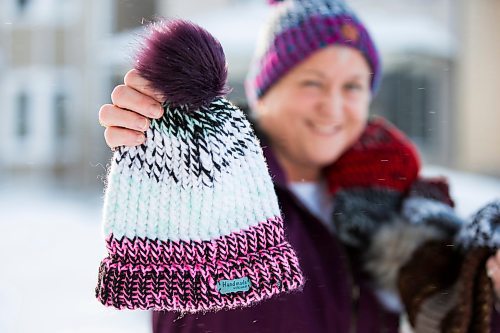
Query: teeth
{"points": [[325, 129]]}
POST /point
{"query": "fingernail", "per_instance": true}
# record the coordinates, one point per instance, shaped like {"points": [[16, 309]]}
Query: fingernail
{"points": [[143, 124], [140, 139], [156, 111]]}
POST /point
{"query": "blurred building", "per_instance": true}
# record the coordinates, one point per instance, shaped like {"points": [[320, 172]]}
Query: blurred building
{"points": [[55, 75], [59, 60], [477, 131], [441, 75]]}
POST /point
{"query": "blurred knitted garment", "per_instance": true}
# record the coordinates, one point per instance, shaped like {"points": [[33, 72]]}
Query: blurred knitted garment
{"points": [[445, 286], [191, 218], [369, 181], [478, 239], [298, 28]]}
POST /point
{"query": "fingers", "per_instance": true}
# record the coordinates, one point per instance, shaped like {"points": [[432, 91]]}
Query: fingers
{"points": [[111, 115], [135, 81], [133, 103], [492, 267], [117, 136], [123, 127], [126, 97], [493, 271]]}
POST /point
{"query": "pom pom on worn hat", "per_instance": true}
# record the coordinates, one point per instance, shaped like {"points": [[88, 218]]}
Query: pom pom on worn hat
{"points": [[184, 62]]}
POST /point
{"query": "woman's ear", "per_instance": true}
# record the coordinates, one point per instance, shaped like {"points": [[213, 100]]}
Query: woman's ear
{"points": [[259, 108], [263, 106]]}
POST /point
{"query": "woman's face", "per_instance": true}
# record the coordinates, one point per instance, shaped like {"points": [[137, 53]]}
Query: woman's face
{"points": [[318, 109]]}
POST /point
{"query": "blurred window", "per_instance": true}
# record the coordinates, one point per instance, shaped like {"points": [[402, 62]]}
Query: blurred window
{"points": [[60, 116], [22, 5], [407, 102], [22, 115]]}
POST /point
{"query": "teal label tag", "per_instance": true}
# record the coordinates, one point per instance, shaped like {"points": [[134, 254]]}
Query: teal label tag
{"points": [[232, 286]]}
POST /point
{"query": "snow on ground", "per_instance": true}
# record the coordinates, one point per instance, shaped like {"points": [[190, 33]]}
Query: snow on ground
{"points": [[50, 252], [52, 245]]}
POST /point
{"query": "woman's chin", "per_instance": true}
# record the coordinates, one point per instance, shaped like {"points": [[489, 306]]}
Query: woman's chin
{"points": [[324, 159]]}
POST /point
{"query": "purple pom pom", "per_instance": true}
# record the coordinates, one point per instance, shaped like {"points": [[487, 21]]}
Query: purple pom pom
{"points": [[273, 2], [184, 62]]}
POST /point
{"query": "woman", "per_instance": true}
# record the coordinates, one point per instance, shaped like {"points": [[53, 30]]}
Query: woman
{"points": [[310, 87]]}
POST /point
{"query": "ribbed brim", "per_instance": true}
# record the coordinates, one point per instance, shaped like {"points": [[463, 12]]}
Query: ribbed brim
{"points": [[183, 276]]}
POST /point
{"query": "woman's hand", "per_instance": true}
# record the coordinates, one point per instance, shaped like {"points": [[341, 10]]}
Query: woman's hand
{"points": [[126, 119], [493, 269]]}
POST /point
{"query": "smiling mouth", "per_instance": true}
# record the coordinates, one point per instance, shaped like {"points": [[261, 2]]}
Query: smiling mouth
{"points": [[324, 129]]}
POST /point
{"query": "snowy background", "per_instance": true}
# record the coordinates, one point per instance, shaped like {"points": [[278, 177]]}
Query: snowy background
{"points": [[50, 253]]}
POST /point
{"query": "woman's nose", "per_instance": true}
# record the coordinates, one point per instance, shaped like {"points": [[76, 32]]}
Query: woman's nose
{"points": [[332, 104]]}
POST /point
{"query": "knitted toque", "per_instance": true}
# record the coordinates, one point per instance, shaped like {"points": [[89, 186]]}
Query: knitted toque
{"points": [[413, 255], [370, 179], [383, 157], [190, 217], [445, 288], [385, 213], [478, 240], [483, 229], [297, 29]]}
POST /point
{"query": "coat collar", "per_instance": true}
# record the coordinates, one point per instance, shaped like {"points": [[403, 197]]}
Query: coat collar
{"points": [[277, 173]]}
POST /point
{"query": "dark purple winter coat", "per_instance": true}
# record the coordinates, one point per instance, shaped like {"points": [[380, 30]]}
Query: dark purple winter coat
{"points": [[328, 302]]}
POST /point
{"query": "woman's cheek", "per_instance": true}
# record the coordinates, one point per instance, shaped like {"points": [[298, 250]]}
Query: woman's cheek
{"points": [[358, 109]]}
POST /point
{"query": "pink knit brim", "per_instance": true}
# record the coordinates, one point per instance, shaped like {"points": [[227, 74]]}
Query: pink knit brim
{"points": [[182, 276]]}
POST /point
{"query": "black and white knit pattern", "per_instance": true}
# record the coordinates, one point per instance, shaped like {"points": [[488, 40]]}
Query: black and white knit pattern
{"points": [[424, 211], [483, 228], [196, 145], [359, 212]]}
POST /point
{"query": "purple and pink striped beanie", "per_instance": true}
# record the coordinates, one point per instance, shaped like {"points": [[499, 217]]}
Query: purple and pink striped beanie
{"points": [[298, 28], [190, 217]]}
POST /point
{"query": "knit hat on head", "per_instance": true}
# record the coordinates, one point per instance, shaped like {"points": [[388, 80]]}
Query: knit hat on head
{"points": [[190, 217], [298, 28]]}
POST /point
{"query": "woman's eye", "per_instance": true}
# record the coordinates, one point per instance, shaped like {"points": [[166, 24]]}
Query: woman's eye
{"points": [[353, 86]]}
